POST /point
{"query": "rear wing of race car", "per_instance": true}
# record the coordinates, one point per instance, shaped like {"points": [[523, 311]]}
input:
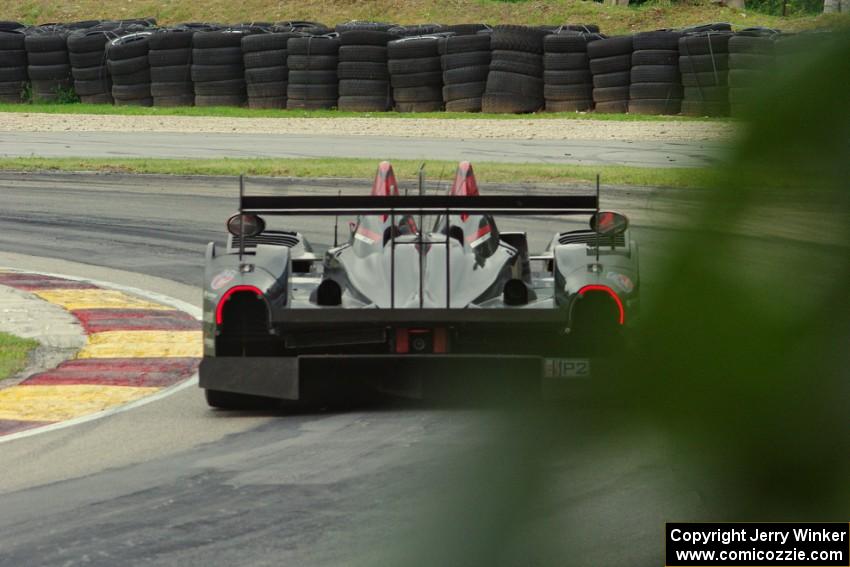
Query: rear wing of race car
{"points": [[397, 205], [388, 203], [419, 204]]}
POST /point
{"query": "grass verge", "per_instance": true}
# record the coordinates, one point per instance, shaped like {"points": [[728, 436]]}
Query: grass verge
{"points": [[612, 19], [13, 354], [235, 112], [365, 169]]}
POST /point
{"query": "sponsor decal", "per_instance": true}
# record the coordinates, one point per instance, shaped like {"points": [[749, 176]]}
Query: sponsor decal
{"points": [[363, 238], [566, 368], [223, 279], [624, 281], [480, 237], [363, 234]]}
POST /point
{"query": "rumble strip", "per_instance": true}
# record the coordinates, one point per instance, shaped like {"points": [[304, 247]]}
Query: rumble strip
{"points": [[135, 347]]}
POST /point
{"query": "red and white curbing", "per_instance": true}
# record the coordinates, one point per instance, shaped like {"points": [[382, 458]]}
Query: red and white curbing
{"points": [[140, 347]]}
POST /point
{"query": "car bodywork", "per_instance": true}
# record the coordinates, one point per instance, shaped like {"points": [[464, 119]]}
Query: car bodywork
{"points": [[426, 296]]}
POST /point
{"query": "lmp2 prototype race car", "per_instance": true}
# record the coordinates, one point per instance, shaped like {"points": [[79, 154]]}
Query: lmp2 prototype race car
{"points": [[425, 297]]}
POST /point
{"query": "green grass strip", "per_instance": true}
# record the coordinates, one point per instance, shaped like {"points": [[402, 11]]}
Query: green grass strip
{"points": [[235, 112], [14, 352], [365, 169]]}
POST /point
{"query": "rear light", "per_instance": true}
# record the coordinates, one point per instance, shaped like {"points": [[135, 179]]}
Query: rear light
{"points": [[219, 310], [609, 291], [402, 338], [441, 340]]}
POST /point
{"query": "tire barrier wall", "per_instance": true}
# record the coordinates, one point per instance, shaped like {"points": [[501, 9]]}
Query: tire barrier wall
{"points": [[656, 85], [266, 71], [48, 66], [416, 74], [87, 55], [313, 80], [170, 58], [365, 48], [130, 70], [610, 65], [465, 62], [218, 68], [706, 70], [567, 80], [704, 63], [13, 65], [752, 62], [515, 80]]}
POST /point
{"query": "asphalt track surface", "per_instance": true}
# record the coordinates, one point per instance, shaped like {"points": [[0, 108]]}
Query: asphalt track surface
{"points": [[236, 145], [176, 483]]}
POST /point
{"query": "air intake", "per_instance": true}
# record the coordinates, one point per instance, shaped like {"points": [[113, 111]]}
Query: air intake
{"points": [[515, 293], [268, 238], [589, 237]]}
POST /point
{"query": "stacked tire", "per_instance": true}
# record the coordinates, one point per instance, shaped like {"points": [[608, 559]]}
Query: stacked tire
{"points": [[417, 30], [48, 66], [302, 27], [751, 65], [656, 85], [465, 61], [580, 28], [360, 25], [170, 58], [567, 81], [704, 65], [465, 29], [87, 55], [132, 23], [361, 53], [312, 63], [218, 71], [610, 62], [703, 28], [792, 49], [127, 59], [416, 75], [13, 64], [266, 72], [9, 26], [515, 80]]}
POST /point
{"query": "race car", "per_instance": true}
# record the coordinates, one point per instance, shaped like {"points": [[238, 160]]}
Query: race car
{"points": [[424, 297]]}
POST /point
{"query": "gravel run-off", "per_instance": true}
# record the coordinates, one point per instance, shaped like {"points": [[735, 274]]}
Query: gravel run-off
{"points": [[455, 129]]}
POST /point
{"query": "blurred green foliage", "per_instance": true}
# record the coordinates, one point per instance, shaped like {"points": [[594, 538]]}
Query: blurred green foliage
{"points": [[790, 7], [733, 404], [746, 358]]}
